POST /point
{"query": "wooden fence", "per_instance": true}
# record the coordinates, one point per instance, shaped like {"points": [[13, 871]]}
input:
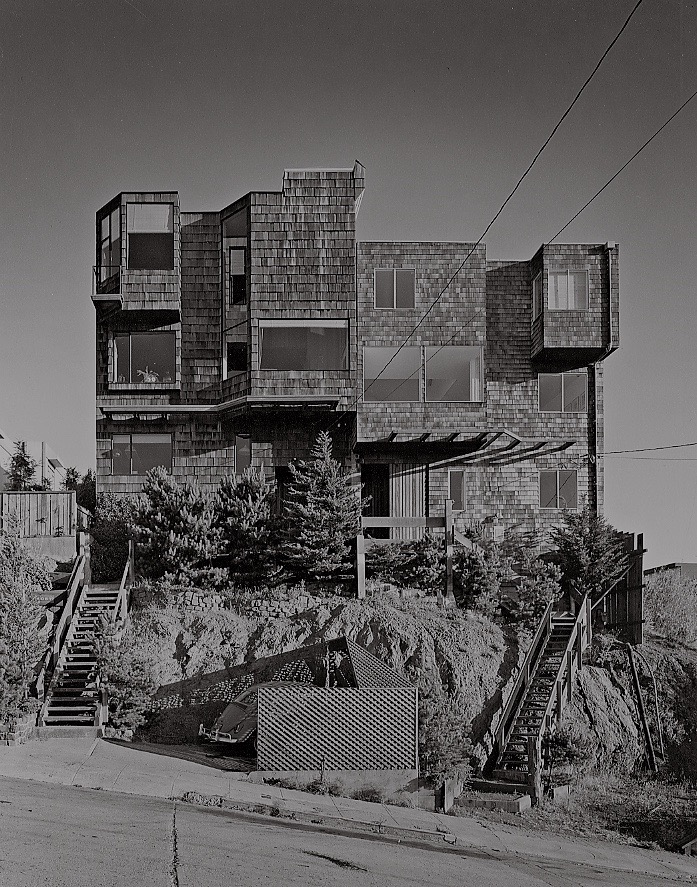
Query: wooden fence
{"points": [[623, 605], [35, 514]]}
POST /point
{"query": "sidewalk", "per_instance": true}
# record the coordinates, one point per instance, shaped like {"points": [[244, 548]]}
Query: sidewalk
{"points": [[98, 764]]}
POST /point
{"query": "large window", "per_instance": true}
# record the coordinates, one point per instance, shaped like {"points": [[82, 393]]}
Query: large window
{"points": [[109, 254], [395, 287], [389, 374], [138, 453], [145, 357], [150, 228], [558, 489], [562, 392], [320, 345], [453, 373], [567, 290]]}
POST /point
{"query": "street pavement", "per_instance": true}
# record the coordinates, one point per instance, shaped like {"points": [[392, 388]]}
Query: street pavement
{"points": [[87, 763]]}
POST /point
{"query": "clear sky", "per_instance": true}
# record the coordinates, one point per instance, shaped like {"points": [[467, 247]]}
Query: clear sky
{"points": [[445, 103]]}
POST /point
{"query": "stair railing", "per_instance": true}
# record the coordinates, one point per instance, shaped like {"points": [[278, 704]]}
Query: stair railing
{"points": [[525, 675], [61, 633]]}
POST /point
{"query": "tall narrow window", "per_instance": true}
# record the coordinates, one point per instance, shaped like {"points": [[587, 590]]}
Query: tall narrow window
{"points": [[562, 392], [145, 357], [236, 357], [537, 296], [559, 489], [150, 229], [243, 452], [457, 482], [237, 281], [390, 374], [568, 290], [109, 253], [453, 373], [395, 287], [303, 345]]}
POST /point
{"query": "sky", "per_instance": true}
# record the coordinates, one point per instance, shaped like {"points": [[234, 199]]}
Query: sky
{"points": [[445, 104]]}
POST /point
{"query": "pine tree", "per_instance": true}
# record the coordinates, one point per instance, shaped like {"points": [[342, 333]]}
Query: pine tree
{"points": [[86, 491], [245, 520], [174, 529], [322, 514], [590, 553], [22, 468]]}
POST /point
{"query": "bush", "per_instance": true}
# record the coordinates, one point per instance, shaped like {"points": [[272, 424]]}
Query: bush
{"points": [[174, 528], [444, 744], [244, 519], [477, 577], [670, 606], [110, 531], [22, 577], [538, 586], [417, 563]]}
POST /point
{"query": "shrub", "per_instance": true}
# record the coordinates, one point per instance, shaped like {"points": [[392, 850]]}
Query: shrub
{"points": [[670, 606], [539, 585], [244, 518], [174, 529], [477, 577], [444, 744], [110, 531], [417, 563], [321, 514], [22, 577]]}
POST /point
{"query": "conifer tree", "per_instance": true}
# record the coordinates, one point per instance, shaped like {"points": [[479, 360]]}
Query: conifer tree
{"points": [[322, 514], [22, 467], [245, 521], [173, 526]]}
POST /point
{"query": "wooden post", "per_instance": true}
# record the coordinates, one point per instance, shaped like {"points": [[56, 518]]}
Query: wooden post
{"points": [[570, 673], [589, 621], [360, 566], [560, 698], [448, 549], [535, 769], [642, 712]]}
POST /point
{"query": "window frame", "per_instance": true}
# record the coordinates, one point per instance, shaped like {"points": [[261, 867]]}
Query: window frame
{"points": [[567, 272], [101, 280], [130, 435], [395, 348], [562, 411], [538, 295], [130, 333], [557, 506], [441, 348], [302, 323], [394, 306]]}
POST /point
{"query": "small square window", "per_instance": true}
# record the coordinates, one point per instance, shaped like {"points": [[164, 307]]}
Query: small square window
{"points": [[559, 489], [568, 291], [395, 287], [562, 392]]}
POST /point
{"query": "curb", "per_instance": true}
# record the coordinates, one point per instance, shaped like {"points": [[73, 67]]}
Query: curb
{"points": [[277, 811]]}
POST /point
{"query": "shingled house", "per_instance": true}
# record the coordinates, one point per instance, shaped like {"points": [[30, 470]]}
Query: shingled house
{"points": [[231, 337]]}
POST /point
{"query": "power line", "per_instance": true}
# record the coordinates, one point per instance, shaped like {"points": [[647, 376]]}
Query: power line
{"points": [[651, 458], [506, 201], [651, 449], [622, 168]]}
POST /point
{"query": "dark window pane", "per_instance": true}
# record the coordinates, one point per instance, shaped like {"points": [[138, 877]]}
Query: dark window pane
{"points": [[238, 285], [549, 387], [121, 454], [575, 385], [151, 252], [123, 363], [384, 288], [243, 453], [398, 381], [404, 288], [548, 489], [578, 289], [236, 357], [453, 373], [152, 357], [457, 490], [150, 451], [303, 348], [568, 497]]}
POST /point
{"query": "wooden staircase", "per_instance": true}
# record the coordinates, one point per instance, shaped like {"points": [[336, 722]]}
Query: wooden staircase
{"points": [[543, 687], [73, 697]]}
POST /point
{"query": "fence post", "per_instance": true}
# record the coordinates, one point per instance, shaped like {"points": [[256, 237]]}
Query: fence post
{"points": [[589, 621], [360, 566], [535, 768], [448, 549]]}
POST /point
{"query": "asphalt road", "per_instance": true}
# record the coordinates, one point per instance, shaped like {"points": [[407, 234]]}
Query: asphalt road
{"points": [[68, 837]]}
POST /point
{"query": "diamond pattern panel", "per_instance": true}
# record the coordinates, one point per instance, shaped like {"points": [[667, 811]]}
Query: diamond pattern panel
{"points": [[337, 728]]}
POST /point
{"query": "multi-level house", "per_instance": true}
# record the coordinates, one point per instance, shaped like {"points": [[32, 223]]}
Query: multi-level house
{"points": [[232, 337]]}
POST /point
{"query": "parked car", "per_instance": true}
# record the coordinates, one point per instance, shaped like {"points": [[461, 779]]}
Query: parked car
{"points": [[238, 722]]}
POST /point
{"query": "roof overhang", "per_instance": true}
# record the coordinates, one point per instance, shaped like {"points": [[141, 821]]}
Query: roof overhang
{"points": [[281, 402]]}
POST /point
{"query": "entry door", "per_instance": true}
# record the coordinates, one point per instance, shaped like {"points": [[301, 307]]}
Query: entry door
{"points": [[376, 488]]}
